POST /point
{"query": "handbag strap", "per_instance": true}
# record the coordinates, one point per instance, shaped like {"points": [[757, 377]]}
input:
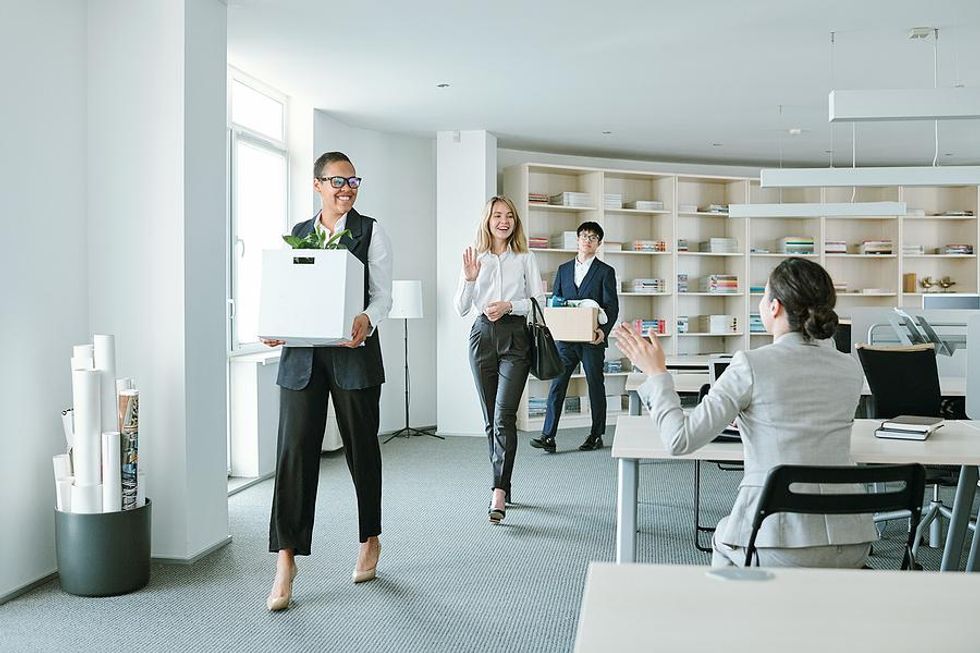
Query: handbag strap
{"points": [[537, 315]]}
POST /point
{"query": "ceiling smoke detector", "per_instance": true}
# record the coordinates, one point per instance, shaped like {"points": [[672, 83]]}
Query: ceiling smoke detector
{"points": [[921, 33]]}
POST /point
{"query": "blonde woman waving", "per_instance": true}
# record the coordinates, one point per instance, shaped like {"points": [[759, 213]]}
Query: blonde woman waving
{"points": [[498, 280]]}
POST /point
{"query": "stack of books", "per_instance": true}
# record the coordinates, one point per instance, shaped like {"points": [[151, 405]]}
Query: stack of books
{"points": [[719, 245], [537, 406], [564, 240], [876, 247], [682, 244], [908, 249], [682, 283], [722, 284], [647, 246], [716, 208], [759, 250], [909, 427], [614, 366], [840, 286], [755, 323], [645, 205], [721, 324], [688, 208], [612, 200], [646, 285], [538, 198], [573, 404], [538, 242], [683, 324], [956, 248], [757, 288], [646, 326], [835, 246], [611, 245], [967, 212], [796, 245], [569, 198]]}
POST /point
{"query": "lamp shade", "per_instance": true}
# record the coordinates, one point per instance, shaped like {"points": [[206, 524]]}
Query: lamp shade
{"points": [[406, 299]]}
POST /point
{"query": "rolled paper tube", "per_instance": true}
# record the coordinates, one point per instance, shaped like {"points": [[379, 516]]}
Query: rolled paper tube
{"points": [[62, 466], [63, 496], [86, 498], [105, 363], [141, 490], [129, 446], [125, 383], [111, 473], [87, 436], [82, 363], [83, 351], [66, 423]]}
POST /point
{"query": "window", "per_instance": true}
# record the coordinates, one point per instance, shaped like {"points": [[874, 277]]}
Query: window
{"points": [[258, 197]]}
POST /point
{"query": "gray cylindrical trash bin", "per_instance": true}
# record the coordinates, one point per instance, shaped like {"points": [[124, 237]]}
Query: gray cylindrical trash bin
{"points": [[103, 554]]}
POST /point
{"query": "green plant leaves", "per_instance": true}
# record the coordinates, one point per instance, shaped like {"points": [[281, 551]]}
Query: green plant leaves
{"points": [[317, 239]]}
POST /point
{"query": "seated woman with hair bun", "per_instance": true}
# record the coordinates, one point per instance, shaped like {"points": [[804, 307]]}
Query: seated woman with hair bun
{"points": [[794, 401]]}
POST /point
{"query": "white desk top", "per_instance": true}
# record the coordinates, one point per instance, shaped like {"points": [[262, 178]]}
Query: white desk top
{"points": [[956, 443], [951, 386], [680, 608]]}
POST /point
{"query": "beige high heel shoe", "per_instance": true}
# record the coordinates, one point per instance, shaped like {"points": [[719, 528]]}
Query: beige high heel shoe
{"points": [[277, 603], [367, 574]]}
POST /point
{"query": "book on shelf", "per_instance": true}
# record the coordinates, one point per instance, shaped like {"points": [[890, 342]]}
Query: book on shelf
{"points": [[908, 249], [716, 208], [612, 200], [796, 245], [720, 284], [564, 240], [758, 288], [717, 324], [538, 198], [755, 323], [955, 249], [538, 242], [719, 245], [612, 246], [645, 205], [647, 285], [840, 286], [682, 245], [644, 327], [647, 246], [683, 324], [835, 246], [876, 247], [570, 198], [955, 213], [759, 250], [682, 282]]}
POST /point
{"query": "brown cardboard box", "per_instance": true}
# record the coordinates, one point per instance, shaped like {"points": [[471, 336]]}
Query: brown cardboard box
{"points": [[572, 324]]}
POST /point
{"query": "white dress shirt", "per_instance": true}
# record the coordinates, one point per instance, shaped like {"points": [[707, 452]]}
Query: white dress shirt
{"points": [[582, 269], [379, 269], [509, 277]]}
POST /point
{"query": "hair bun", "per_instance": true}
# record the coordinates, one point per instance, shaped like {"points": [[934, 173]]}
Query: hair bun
{"points": [[820, 322]]}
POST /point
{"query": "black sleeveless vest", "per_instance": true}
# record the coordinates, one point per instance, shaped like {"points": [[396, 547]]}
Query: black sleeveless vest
{"points": [[353, 369]]}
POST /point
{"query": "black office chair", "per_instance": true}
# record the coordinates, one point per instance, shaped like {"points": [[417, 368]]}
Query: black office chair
{"points": [[778, 496], [905, 381], [723, 466]]}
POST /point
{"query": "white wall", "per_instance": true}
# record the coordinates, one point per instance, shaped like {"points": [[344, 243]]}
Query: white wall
{"points": [[399, 191], [42, 262], [156, 206], [466, 178]]}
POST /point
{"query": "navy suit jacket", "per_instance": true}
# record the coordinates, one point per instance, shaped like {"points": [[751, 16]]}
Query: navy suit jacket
{"points": [[599, 284]]}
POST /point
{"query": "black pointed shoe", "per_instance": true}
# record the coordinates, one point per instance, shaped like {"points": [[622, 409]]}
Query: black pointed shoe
{"points": [[544, 442], [591, 443]]}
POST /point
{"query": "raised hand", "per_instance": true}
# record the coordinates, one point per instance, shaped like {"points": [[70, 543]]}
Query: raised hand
{"points": [[645, 353], [471, 264]]}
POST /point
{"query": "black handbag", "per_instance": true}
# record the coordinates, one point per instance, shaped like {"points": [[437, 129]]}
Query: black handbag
{"points": [[545, 361]]}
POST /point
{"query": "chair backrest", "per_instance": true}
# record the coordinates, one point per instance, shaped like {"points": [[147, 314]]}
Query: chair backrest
{"points": [[903, 380], [778, 496]]}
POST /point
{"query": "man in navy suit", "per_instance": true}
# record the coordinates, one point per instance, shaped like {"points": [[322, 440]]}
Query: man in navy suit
{"points": [[584, 277]]}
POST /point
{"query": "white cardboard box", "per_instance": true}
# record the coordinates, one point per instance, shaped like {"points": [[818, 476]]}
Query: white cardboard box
{"points": [[310, 297], [569, 324]]}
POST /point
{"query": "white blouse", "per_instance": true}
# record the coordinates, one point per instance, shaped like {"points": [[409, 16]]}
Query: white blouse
{"points": [[509, 277]]}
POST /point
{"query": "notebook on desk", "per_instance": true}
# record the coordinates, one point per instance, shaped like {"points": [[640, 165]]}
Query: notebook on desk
{"points": [[716, 367], [909, 427]]}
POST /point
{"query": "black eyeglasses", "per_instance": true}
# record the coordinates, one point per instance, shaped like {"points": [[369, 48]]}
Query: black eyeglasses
{"points": [[338, 182], [590, 238]]}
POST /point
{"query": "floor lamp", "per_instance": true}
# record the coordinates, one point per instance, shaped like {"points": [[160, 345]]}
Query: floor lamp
{"points": [[406, 303]]}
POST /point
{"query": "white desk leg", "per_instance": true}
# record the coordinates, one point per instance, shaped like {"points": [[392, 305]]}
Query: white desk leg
{"points": [[626, 511], [634, 407], [966, 489]]}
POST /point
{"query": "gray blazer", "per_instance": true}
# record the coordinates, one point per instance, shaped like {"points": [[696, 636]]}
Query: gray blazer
{"points": [[794, 403]]}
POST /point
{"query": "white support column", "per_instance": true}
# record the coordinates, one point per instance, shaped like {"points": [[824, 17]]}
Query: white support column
{"points": [[466, 177]]}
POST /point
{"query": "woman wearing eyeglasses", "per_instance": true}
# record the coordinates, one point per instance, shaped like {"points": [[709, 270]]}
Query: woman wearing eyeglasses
{"points": [[352, 375], [794, 401], [498, 280]]}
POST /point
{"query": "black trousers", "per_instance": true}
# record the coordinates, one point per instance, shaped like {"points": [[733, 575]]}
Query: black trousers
{"points": [[302, 419], [500, 360], [592, 357]]}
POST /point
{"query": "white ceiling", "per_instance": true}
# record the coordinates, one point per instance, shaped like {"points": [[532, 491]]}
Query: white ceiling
{"points": [[667, 79]]}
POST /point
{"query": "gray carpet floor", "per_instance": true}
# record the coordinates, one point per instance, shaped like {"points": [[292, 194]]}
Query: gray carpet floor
{"points": [[448, 580]]}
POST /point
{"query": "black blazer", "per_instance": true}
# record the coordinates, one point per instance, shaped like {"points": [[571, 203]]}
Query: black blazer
{"points": [[353, 369], [599, 284]]}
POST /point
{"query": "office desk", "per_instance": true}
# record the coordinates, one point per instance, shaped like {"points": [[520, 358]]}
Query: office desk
{"points": [[956, 443], [685, 381], [681, 608]]}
